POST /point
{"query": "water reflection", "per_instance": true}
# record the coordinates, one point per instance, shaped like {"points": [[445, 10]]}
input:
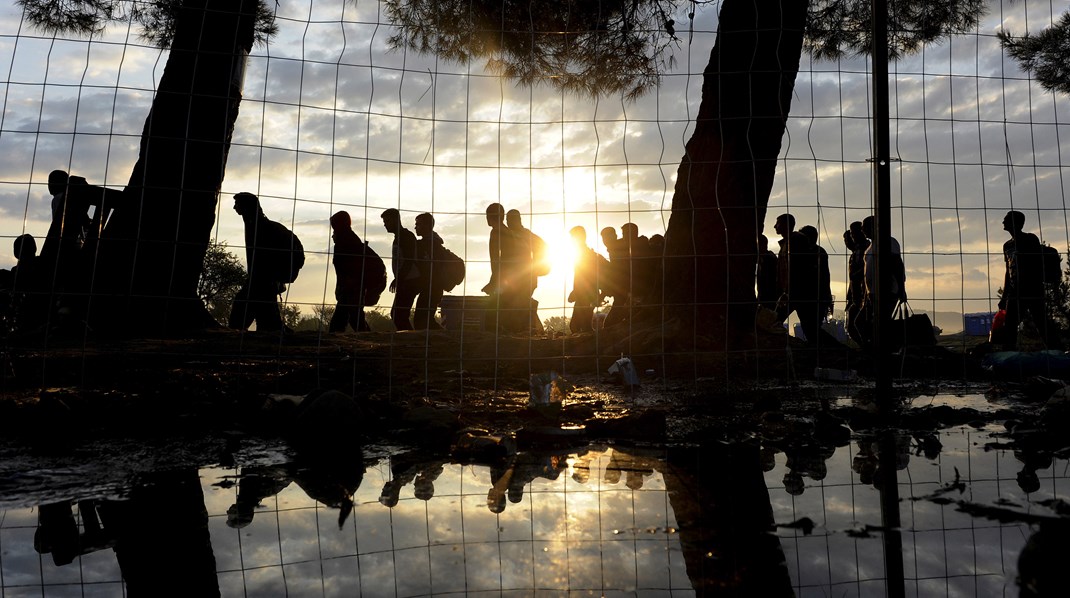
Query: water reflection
{"points": [[964, 517], [600, 520]]}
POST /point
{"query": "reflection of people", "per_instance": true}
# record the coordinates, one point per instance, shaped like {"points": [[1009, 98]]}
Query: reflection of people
{"points": [[585, 276], [332, 482], [402, 472], [1040, 565], [258, 298], [423, 487], [406, 282], [634, 467], [1028, 480], [1023, 284], [57, 533], [256, 484], [508, 481]]}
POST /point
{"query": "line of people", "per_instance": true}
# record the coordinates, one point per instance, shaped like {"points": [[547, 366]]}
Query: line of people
{"points": [[59, 272], [797, 279]]}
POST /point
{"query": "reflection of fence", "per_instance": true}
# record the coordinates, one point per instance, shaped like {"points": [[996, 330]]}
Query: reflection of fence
{"points": [[595, 522], [555, 533], [945, 551]]}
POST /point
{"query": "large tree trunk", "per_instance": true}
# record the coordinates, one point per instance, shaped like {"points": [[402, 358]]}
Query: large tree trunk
{"points": [[152, 249], [724, 179]]}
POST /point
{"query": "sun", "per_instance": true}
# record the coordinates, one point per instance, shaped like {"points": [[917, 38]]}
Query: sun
{"points": [[560, 252]]}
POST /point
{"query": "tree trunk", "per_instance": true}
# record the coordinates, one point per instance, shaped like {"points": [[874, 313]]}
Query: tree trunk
{"points": [[726, 174], [152, 249]]}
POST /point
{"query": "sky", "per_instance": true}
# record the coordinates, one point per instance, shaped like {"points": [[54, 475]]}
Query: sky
{"points": [[333, 119]]}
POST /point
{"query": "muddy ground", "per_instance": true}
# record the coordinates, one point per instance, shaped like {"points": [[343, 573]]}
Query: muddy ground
{"points": [[107, 410]]}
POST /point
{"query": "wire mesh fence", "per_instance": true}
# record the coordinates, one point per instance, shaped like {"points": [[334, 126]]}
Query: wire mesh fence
{"points": [[337, 114]]}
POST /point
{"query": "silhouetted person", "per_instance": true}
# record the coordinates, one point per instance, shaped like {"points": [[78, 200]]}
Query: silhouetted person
{"points": [[824, 278], [265, 253], [798, 278], [768, 292], [856, 243], [507, 281], [360, 276], [585, 276], [530, 263], [66, 233], [617, 280], [21, 290], [406, 282], [428, 250], [61, 255], [893, 279], [1023, 284], [657, 268], [640, 262]]}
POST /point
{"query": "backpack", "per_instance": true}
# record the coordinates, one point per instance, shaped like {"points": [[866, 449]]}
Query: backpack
{"points": [[1051, 264], [288, 253], [450, 268], [540, 264], [374, 276]]}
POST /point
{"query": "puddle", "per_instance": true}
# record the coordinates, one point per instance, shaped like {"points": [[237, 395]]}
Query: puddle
{"points": [[598, 521]]}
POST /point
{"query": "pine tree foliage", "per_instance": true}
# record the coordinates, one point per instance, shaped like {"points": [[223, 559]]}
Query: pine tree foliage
{"points": [[156, 19], [1046, 55]]}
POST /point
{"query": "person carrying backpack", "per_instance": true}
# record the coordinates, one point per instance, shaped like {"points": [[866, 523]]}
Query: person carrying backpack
{"points": [[274, 256], [437, 272], [530, 262], [360, 276], [1023, 284]]}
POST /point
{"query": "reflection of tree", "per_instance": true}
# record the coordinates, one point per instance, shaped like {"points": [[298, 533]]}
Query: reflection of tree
{"points": [[726, 174], [722, 506], [161, 537]]}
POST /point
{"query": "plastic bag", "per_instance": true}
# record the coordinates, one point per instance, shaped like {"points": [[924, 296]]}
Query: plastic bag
{"points": [[998, 334]]}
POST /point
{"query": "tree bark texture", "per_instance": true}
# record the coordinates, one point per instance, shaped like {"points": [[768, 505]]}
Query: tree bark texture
{"points": [[153, 248], [726, 174]]}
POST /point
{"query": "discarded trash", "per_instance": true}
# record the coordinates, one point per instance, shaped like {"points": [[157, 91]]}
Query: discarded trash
{"points": [[625, 369], [835, 375], [547, 391]]}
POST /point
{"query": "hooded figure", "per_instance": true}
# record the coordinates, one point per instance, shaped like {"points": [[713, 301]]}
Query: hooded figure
{"points": [[268, 246]]}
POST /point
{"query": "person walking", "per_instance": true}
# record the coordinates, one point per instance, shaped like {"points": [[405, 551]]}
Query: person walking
{"points": [[406, 282], [1023, 284]]}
